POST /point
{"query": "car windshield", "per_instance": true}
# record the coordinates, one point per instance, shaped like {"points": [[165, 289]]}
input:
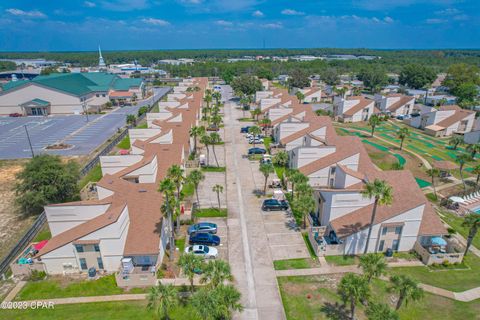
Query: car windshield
{"points": [[206, 249]]}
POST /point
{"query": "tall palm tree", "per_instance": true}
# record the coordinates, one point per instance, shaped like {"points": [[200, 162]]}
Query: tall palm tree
{"points": [[462, 159], [218, 188], [304, 204], [303, 189], [373, 122], [471, 221], [176, 174], [373, 265], [217, 96], [406, 288], [256, 113], [402, 134], [218, 303], [195, 177], [167, 187], [300, 96], [131, 120], [255, 131], [205, 139], [433, 173], [476, 170], [281, 159], [208, 97], [215, 139], [162, 298], [190, 263], [382, 192], [473, 149], [196, 132], [265, 124], [381, 311], [295, 178], [455, 141], [216, 120], [266, 169], [353, 289], [216, 272]]}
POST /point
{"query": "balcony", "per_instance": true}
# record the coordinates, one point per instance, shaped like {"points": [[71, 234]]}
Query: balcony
{"points": [[140, 276], [432, 253], [323, 244]]}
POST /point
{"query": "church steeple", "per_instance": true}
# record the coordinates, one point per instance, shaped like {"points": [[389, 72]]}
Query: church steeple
{"points": [[101, 62]]}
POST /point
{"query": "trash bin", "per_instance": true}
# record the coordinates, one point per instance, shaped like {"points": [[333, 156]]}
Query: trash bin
{"points": [[92, 272], [389, 252]]}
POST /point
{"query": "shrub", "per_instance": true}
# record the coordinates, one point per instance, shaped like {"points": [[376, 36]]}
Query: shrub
{"points": [[36, 275]]}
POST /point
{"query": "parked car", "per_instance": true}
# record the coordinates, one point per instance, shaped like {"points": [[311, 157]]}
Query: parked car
{"points": [[274, 204], [249, 136], [212, 128], [255, 140], [244, 129], [203, 227], [15, 115], [204, 238], [257, 151], [203, 251]]}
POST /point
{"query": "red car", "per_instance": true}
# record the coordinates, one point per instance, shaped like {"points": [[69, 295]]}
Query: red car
{"points": [[15, 115]]}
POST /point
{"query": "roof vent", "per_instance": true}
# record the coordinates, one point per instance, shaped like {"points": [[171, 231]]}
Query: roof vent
{"points": [[142, 190]]}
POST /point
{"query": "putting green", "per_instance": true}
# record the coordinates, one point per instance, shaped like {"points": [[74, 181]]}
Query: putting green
{"points": [[401, 160], [422, 183], [379, 147], [437, 158]]}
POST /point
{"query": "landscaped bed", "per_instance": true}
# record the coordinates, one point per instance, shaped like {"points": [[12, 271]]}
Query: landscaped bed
{"points": [[300, 263], [211, 213]]}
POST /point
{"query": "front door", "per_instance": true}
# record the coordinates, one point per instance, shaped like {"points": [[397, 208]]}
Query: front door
{"points": [[389, 238]]}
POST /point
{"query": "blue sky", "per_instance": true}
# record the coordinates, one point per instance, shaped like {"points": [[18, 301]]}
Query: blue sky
{"points": [[30, 25]]}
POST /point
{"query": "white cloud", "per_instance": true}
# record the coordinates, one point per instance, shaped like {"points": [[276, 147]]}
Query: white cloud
{"points": [[29, 14], [448, 12], [89, 4], [388, 19], [258, 14], [223, 23], [156, 22], [125, 5], [275, 25], [435, 21], [291, 12], [461, 17], [191, 1]]}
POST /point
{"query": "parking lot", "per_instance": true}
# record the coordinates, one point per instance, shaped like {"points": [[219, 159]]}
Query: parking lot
{"points": [[222, 233], [84, 136]]}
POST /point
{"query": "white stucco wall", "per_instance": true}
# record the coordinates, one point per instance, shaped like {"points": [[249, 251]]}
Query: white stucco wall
{"points": [[113, 164], [142, 134]]}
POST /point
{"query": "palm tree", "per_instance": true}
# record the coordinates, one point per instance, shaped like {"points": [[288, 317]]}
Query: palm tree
{"points": [[476, 170], [281, 159], [373, 122], [217, 96], [304, 204], [471, 221], [216, 272], [208, 98], [195, 177], [300, 96], [353, 289], [380, 311], [255, 113], [255, 131], [218, 189], [406, 288], [195, 132], [215, 139], [266, 169], [455, 141], [205, 139], [265, 124], [162, 298], [433, 173], [296, 177], [382, 192], [176, 174], [190, 263], [462, 159], [131, 120], [218, 303], [303, 189], [473, 149], [402, 134], [167, 187], [373, 265], [216, 120]]}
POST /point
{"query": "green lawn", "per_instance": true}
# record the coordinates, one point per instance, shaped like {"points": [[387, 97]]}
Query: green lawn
{"points": [[309, 245], [44, 234], [180, 244], [315, 298], [125, 143], [125, 310], [280, 171], [300, 263], [211, 213], [54, 288], [214, 169], [342, 260], [456, 223], [188, 189], [453, 280], [143, 125], [267, 141], [93, 175]]}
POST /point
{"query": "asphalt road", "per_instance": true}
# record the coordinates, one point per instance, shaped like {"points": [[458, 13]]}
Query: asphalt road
{"points": [[74, 130]]}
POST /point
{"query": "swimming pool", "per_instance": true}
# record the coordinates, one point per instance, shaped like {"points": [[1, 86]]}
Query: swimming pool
{"points": [[476, 210]]}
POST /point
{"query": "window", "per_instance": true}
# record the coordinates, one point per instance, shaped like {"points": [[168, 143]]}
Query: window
{"points": [[384, 231], [96, 247], [104, 95], [100, 263], [398, 230], [395, 245], [79, 248], [97, 95], [83, 264], [381, 245]]}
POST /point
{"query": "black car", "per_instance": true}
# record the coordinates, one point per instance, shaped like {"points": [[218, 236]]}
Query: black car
{"points": [[257, 151], [244, 129], [204, 238], [274, 204]]}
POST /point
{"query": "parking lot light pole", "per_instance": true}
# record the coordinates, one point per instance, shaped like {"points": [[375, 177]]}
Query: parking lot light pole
{"points": [[84, 105], [29, 142]]}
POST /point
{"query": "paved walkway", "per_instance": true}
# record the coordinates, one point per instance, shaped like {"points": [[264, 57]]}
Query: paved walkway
{"points": [[249, 252], [13, 293]]}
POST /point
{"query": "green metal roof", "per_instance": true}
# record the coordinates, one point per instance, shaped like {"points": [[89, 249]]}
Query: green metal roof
{"points": [[79, 84], [41, 102]]}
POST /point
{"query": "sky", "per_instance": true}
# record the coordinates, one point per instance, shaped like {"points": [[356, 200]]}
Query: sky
{"points": [[69, 25]]}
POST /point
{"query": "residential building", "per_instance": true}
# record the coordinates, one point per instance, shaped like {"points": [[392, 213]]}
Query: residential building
{"points": [[395, 104], [353, 108]]}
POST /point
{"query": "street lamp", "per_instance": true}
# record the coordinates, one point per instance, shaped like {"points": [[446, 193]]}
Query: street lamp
{"points": [[84, 106], [29, 142]]}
